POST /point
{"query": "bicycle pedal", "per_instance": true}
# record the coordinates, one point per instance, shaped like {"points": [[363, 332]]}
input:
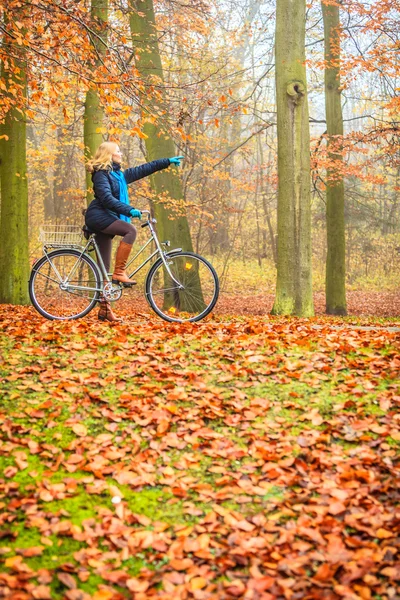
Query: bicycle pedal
{"points": [[122, 284]]}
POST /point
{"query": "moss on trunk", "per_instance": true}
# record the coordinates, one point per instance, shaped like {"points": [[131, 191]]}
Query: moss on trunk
{"points": [[294, 275], [158, 142], [94, 113], [335, 227], [14, 255]]}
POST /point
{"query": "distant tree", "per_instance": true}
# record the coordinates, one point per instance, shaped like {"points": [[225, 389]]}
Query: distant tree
{"points": [[294, 282]]}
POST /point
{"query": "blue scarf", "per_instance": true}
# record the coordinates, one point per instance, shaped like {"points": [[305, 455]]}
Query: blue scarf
{"points": [[123, 191]]}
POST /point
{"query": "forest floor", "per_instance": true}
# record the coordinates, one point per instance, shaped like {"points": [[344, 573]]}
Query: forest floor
{"points": [[359, 303], [247, 456], [362, 306]]}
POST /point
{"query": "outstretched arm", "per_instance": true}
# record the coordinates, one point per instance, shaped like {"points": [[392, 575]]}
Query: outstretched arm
{"points": [[135, 173]]}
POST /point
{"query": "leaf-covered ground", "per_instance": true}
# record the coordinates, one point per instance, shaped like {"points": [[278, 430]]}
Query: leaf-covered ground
{"points": [[360, 304], [247, 457]]}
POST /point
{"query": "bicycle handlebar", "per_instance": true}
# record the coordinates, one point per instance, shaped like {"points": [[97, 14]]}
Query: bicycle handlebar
{"points": [[149, 219]]}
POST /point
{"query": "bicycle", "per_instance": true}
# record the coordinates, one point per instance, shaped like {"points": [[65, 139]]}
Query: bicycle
{"points": [[66, 283]]}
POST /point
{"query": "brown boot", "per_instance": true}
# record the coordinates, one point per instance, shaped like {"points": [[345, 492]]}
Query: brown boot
{"points": [[106, 313], [121, 258]]}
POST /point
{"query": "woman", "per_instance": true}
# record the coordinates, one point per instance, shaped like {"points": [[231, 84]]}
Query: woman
{"points": [[109, 213]]}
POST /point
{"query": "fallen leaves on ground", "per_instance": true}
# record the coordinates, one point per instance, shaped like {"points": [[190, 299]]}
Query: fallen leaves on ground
{"points": [[250, 457], [384, 303], [359, 303]]}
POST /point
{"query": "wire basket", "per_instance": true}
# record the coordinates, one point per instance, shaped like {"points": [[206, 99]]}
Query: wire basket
{"points": [[61, 235]]}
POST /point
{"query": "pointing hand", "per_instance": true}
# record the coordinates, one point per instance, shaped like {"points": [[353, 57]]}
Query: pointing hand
{"points": [[176, 160]]}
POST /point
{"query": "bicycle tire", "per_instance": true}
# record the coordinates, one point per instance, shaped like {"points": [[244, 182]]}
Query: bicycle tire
{"points": [[45, 291], [188, 304]]}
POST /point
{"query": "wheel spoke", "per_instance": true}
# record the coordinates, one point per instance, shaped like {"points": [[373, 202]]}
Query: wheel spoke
{"points": [[46, 292], [47, 277], [191, 302]]}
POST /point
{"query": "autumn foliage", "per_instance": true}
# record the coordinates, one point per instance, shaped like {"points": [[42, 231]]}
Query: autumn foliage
{"points": [[219, 94]]}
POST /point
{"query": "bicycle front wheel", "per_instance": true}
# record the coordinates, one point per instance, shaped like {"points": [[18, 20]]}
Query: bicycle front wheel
{"points": [[188, 292], [64, 285]]}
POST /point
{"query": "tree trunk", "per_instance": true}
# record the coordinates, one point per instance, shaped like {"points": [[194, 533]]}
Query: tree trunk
{"points": [[14, 255], [294, 272], [41, 176], [335, 280], [94, 114], [158, 142], [220, 224], [264, 196], [61, 179]]}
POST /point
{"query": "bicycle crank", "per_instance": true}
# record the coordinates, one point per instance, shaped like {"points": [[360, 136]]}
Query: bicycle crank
{"points": [[112, 291]]}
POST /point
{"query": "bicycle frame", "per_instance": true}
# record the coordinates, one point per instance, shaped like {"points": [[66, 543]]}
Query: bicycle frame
{"points": [[91, 243], [159, 250], [64, 283]]}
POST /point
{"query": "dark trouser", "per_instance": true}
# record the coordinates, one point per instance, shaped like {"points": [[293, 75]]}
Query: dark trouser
{"points": [[104, 239]]}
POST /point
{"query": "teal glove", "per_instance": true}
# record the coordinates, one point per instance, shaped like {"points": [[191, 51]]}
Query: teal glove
{"points": [[176, 160], [136, 214]]}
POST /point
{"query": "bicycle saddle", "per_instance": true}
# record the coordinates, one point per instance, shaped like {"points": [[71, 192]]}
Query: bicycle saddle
{"points": [[87, 232]]}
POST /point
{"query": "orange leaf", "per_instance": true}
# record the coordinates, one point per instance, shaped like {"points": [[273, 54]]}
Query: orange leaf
{"points": [[163, 426], [384, 533], [137, 585], [140, 133], [41, 592], [67, 580], [197, 583], [79, 429], [103, 595], [32, 551], [180, 564]]}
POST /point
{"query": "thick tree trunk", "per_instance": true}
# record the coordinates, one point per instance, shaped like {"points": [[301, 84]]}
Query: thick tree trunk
{"points": [[94, 114], [14, 254], [158, 143], [294, 281], [336, 245]]}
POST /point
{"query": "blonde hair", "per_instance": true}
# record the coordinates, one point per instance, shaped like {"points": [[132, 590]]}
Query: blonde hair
{"points": [[102, 158]]}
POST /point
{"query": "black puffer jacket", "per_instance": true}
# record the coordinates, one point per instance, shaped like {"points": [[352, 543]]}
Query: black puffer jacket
{"points": [[106, 207]]}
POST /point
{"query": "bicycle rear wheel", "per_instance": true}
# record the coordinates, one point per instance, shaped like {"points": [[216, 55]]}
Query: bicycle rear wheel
{"points": [[64, 285], [190, 295]]}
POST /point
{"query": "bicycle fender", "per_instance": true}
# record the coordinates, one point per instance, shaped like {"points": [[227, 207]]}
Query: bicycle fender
{"points": [[173, 251]]}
